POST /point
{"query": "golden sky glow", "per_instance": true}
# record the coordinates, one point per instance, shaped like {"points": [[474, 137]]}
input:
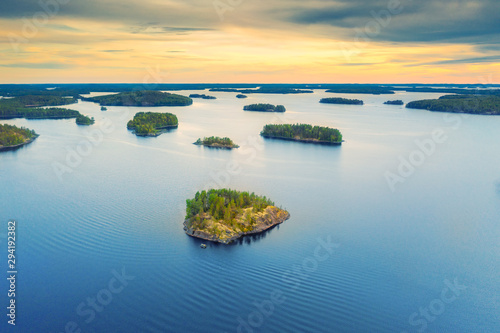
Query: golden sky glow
{"points": [[250, 44]]}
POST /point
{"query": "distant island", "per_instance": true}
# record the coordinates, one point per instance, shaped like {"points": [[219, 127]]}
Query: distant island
{"points": [[472, 90], [396, 102], [482, 104], [141, 98], [216, 142], [13, 137], [264, 108], [84, 120], [266, 90], [30, 101], [374, 90], [103, 108], [203, 96], [225, 215], [303, 133], [338, 100], [241, 96], [38, 113], [29, 107], [152, 123]]}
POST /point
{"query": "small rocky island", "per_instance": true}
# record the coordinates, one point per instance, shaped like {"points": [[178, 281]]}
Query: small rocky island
{"points": [[225, 215], [396, 102], [217, 142], [241, 96], [303, 133], [339, 100], [84, 120], [264, 108], [13, 137], [141, 98], [152, 123], [203, 96]]}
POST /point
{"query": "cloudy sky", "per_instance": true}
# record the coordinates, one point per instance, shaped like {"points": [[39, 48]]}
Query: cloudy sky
{"points": [[313, 41]]}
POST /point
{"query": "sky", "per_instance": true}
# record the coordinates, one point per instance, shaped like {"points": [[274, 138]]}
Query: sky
{"points": [[250, 41]]}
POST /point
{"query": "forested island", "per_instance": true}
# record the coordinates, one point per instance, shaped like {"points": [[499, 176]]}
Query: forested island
{"points": [[225, 215], [203, 96], [374, 90], [77, 90], [217, 142], [103, 108], [396, 102], [13, 137], [473, 90], [484, 105], [28, 107], [241, 96], [38, 113], [303, 133], [339, 100], [152, 123], [141, 98], [84, 120], [264, 108]]}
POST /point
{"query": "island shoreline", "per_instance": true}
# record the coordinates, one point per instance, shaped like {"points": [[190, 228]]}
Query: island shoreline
{"points": [[211, 238], [15, 147]]}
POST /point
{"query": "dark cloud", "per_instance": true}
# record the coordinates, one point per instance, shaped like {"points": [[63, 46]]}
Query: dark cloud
{"points": [[116, 51], [495, 58], [418, 21], [154, 29], [168, 13], [44, 65]]}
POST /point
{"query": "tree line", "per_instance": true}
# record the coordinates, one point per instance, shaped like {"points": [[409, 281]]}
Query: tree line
{"points": [[11, 135], [264, 107], [301, 132], [487, 105], [224, 204], [339, 100], [142, 98], [84, 120], [150, 122], [215, 140]]}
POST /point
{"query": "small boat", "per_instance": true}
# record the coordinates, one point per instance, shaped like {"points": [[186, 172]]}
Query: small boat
{"points": [[103, 108], [203, 246]]}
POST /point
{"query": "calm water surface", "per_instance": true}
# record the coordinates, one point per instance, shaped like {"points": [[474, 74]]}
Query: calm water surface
{"points": [[117, 207]]}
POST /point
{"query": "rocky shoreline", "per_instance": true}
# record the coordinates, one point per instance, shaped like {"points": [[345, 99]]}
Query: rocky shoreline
{"points": [[7, 148], [275, 216], [216, 145]]}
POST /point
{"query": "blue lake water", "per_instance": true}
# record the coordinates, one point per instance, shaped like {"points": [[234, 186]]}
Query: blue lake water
{"points": [[359, 253]]}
